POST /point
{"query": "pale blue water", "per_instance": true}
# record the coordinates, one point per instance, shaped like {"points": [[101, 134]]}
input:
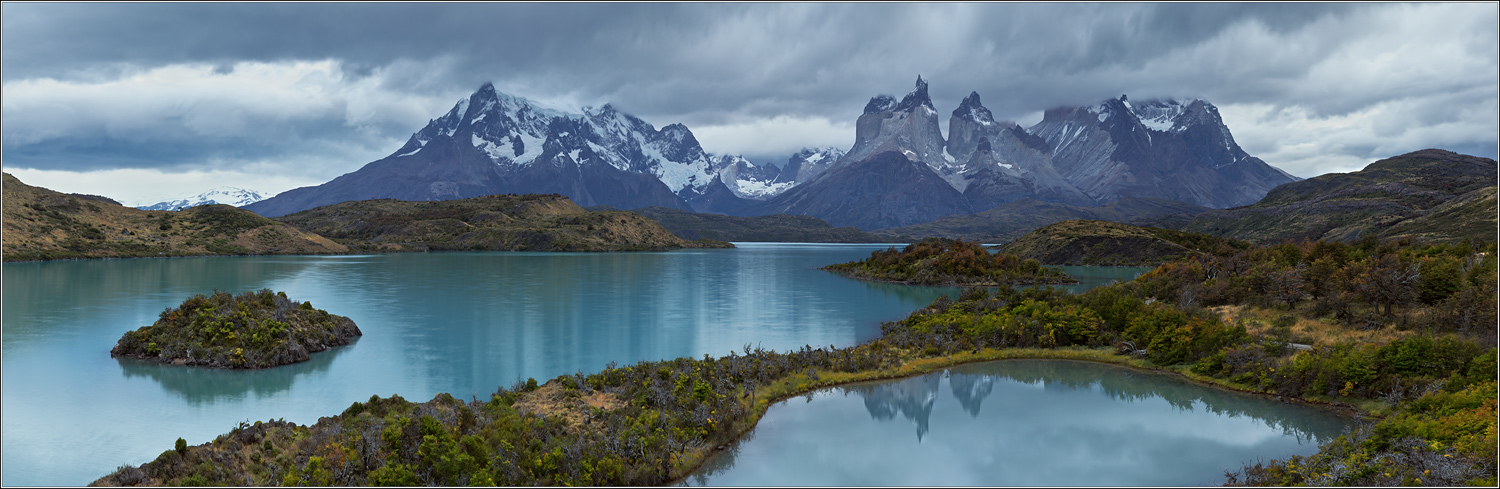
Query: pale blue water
{"points": [[462, 323], [1018, 423]]}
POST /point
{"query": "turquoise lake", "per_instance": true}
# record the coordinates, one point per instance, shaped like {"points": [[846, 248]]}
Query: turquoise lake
{"points": [[461, 323]]}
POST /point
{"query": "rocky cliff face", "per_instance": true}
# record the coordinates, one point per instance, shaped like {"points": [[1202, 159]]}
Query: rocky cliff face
{"points": [[909, 127]]}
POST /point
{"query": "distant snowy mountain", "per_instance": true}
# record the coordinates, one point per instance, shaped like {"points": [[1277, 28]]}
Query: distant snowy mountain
{"points": [[234, 196], [494, 142], [807, 164], [748, 180], [1082, 156], [1179, 150]]}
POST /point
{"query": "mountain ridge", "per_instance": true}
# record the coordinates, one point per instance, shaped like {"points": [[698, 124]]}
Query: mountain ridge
{"points": [[1431, 194]]}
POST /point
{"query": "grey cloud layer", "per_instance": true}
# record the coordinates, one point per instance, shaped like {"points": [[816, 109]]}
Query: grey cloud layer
{"points": [[724, 64]]}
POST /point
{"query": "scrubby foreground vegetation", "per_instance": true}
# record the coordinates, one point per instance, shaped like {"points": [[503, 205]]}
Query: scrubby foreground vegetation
{"points": [[252, 330], [653, 422], [939, 261]]}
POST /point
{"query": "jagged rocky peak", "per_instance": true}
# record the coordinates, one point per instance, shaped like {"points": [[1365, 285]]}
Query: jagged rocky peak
{"points": [[909, 126], [972, 121], [916, 98], [971, 109], [508, 129], [880, 103], [969, 123], [679, 134]]}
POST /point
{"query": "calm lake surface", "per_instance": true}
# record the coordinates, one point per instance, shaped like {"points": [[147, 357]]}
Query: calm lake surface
{"points": [[1018, 423], [462, 323]]}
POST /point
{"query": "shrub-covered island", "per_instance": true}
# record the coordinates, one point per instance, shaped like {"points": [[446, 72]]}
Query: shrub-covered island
{"points": [[252, 330], [939, 261]]}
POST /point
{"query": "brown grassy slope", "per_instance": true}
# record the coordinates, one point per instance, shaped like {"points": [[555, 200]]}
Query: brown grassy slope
{"points": [[531, 222], [1082, 242], [42, 224]]}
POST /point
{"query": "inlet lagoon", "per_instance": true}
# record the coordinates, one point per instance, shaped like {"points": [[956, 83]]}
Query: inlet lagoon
{"points": [[1018, 423]]}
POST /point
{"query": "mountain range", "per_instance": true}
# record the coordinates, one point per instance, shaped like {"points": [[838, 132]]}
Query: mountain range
{"points": [[496, 143], [234, 196], [901, 170]]}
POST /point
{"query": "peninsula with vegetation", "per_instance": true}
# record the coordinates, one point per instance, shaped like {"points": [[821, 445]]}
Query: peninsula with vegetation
{"points": [[247, 331], [941, 261]]}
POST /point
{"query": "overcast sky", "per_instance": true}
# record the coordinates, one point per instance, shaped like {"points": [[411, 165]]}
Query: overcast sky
{"points": [[143, 102]]}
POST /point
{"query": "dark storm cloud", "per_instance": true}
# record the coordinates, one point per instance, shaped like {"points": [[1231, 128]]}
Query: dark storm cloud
{"points": [[645, 55], [751, 78]]}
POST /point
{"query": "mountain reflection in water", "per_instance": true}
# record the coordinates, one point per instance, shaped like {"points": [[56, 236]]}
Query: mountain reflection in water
{"points": [[1020, 422]]}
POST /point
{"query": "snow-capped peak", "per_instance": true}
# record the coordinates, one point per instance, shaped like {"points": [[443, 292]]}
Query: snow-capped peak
{"points": [[1166, 115], [219, 195], [972, 109]]}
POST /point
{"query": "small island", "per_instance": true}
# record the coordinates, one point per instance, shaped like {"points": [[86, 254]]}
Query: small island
{"points": [[940, 261], [252, 330]]}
